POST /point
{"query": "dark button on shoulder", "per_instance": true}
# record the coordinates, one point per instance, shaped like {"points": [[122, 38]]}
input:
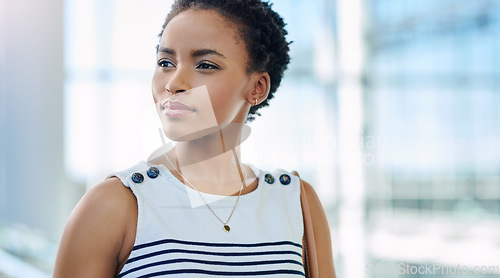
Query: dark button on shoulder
{"points": [[285, 179], [137, 177], [269, 178], [153, 172]]}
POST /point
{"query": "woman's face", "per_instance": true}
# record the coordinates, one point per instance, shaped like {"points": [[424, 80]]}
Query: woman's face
{"points": [[200, 79]]}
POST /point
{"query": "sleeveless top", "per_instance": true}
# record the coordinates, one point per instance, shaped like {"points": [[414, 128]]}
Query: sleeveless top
{"points": [[178, 236]]}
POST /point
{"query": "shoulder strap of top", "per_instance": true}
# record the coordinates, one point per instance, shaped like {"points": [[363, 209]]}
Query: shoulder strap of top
{"points": [[126, 175]]}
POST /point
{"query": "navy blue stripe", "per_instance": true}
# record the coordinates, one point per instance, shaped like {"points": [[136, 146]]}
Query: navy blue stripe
{"points": [[164, 241], [209, 263], [223, 273], [162, 252]]}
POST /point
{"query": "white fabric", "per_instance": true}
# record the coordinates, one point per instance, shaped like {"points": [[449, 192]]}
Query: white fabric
{"points": [[178, 237]]}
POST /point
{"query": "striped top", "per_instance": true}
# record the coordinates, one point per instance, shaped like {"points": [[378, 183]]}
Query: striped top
{"points": [[178, 236]]}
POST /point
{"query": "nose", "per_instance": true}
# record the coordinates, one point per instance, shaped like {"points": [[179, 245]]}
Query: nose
{"points": [[178, 83], [174, 92]]}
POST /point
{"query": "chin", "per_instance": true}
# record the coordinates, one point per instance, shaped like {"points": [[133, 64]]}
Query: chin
{"points": [[182, 132]]}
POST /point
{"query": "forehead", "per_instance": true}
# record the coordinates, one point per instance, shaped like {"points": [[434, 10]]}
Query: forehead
{"points": [[202, 29]]}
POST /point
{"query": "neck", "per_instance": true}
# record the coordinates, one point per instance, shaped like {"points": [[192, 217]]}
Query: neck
{"points": [[213, 162]]}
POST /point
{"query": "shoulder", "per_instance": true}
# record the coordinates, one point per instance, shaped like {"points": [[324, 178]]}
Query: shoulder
{"points": [[97, 231], [321, 231], [312, 198], [315, 206], [110, 194], [108, 202], [311, 194]]}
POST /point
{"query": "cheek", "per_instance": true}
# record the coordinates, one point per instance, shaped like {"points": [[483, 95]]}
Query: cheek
{"points": [[225, 101], [219, 95], [157, 86]]}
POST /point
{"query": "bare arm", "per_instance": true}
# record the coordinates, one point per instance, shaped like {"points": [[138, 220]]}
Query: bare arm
{"points": [[97, 237]]}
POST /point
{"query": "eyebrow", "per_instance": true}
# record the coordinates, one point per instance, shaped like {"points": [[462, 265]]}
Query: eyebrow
{"points": [[195, 53], [203, 52], [167, 50]]}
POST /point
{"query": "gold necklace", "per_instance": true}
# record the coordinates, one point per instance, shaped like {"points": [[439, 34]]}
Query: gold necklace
{"points": [[177, 169]]}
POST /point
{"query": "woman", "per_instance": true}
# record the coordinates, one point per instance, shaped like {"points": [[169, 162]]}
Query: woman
{"points": [[193, 210]]}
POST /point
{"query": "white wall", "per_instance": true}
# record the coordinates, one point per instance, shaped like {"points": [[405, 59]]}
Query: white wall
{"points": [[32, 179]]}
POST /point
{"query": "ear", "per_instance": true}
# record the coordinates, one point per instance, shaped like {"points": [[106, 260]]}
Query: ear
{"points": [[261, 84]]}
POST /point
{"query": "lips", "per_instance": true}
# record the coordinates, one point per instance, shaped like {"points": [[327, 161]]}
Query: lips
{"points": [[176, 109]]}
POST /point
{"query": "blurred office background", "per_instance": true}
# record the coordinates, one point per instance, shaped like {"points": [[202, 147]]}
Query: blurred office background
{"points": [[389, 108]]}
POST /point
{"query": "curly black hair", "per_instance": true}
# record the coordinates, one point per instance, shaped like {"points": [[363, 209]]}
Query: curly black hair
{"points": [[262, 29]]}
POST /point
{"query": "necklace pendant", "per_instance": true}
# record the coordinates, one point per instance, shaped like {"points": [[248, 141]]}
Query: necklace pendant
{"points": [[226, 228]]}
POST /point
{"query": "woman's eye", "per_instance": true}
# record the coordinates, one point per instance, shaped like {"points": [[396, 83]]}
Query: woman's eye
{"points": [[165, 64], [207, 66]]}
